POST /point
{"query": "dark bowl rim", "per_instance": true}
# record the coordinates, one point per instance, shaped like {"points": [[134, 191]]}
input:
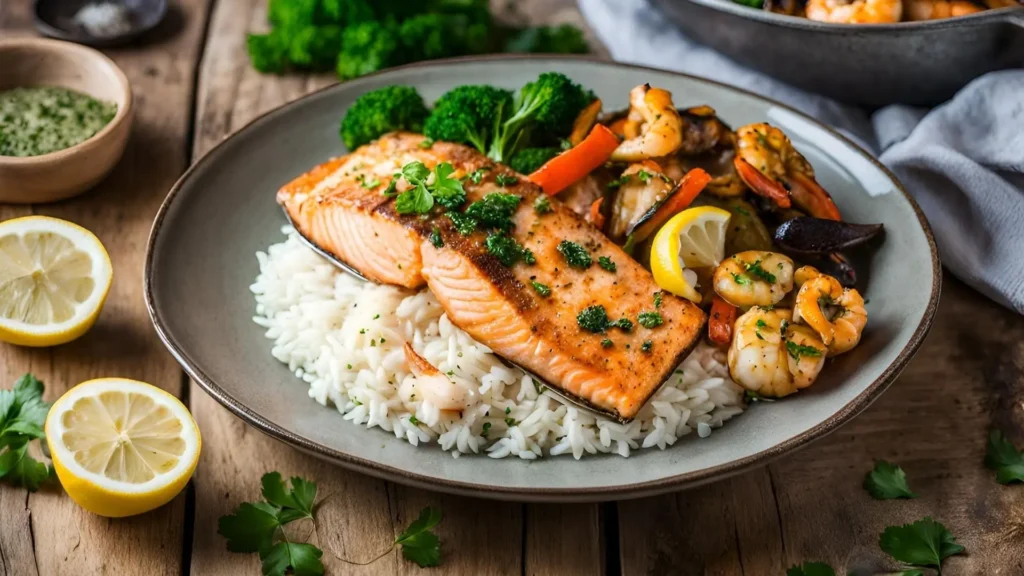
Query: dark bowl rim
{"points": [[1009, 14], [527, 494], [52, 31]]}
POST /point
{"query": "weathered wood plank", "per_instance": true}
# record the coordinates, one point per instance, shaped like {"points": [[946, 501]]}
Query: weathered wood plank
{"points": [[967, 378], [65, 539], [361, 516]]}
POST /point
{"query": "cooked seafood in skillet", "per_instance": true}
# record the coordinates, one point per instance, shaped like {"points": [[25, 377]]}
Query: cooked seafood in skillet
{"points": [[875, 11], [618, 244]]}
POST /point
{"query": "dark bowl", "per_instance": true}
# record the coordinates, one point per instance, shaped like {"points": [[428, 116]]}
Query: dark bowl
{"points": [[917, 63], [55, 18]]}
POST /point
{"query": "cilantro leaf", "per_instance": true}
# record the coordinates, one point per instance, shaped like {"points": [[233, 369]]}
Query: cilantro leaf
{"points": [[416, 200], [295, 503], [274, 491], [811, 569], [303, 559], [418, 543], [1004, 458], [415, 172], [448, 191], [923, 543], [251, 528], [887, 482]]}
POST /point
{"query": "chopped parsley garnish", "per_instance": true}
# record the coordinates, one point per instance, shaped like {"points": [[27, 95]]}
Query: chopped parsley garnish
{"points": [[542, 205], [541, 289], [606, 263], [435, 238], [755, 269], [415, 172], [646, 346], [494, 210], [783, 327], [593, 319], [426, 143], [739, 279], [624, 324], [618, 182], [644, 176], [392, 189], [564, 144], [510, 422], [507, 250], [741, 210], [1003, 457], [797, 350], [607, 343], [447, 191], [665, 179], [574, 254], [504, 180], [376, 316], [650, 319], [887, 482], [752, 396], [657, 299], [413, 420], [369, 185], [761, 324], [416, 200], [486, 429], [464, 224], [478, 175]]}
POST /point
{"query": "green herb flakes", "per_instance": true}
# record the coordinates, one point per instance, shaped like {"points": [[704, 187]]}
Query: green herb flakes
{"points": [[606, 263], [650, 319], [541, 289], [575, 255], [542, 205], [435, 238]]}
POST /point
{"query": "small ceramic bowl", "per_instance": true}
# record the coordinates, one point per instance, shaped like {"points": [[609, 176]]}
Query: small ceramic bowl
{"points": [[56, 19], [36, 62]]}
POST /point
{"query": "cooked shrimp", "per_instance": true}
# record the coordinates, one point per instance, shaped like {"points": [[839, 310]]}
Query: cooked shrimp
{"points": [[937, 9], [855, 12], [430, 385], [653, 127], [837, 314], [772, 356], [769, 164], [754, 278]]}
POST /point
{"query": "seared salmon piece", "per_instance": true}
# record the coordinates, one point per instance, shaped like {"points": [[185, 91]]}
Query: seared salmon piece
{"points": [[614, 370]]}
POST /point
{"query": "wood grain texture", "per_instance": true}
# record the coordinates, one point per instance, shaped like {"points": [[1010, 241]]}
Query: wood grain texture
{"points": [[361, 516], [967, 378], [64, 538]]}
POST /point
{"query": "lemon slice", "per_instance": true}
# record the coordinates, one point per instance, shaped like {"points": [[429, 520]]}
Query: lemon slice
{"points": [[54, 278], [694, 238], [121, 447]]}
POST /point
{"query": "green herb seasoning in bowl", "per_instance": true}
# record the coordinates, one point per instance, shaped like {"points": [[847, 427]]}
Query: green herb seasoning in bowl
{"points": [[65, 115]]}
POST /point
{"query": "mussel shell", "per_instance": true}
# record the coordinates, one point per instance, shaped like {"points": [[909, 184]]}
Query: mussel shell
{"points": [[807, 235]]}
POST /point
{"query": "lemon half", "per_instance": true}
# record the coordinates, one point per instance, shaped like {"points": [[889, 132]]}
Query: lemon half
{"points": [[54, 278], [121, 447], [694, 238]]}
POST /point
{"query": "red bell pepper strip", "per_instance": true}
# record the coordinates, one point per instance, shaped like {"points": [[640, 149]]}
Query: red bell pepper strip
{"points": [[723, 317], [761, 184], [686, 191]]}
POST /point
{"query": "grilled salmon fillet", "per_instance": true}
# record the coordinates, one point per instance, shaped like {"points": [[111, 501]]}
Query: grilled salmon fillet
{"points": [[339, 206]]}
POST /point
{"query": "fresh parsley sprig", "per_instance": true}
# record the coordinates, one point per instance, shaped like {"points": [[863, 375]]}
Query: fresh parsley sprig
{"points": [[887, 482], [443, 190], [258, 527], [22, 416], [925, 543]]}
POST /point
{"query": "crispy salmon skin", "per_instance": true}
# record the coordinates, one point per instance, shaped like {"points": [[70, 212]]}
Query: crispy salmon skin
{"points": [[527, 312]]}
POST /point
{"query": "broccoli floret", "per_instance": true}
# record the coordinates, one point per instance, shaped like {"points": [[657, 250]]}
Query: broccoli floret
{"points": [[345, 12], [468, 115], [368, 47], [315, 47], [268, 52], [381, 111], [528, 160], [544, 112], [426, 36], [564, 39], [292, 13]]}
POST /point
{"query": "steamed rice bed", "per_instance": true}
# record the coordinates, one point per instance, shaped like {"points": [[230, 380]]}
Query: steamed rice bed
{"points": [[344, 337]]}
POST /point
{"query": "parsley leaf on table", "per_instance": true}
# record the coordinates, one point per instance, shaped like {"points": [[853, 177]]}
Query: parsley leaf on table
{"points": [[887, 482], [418, 543], [1004, 458], [254, 526], [303, 559], [923, 543], [22, 416], [811, 569]]}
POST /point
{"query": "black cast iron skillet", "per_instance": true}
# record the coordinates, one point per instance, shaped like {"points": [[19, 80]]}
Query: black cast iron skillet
{"points": [[918, 63]]}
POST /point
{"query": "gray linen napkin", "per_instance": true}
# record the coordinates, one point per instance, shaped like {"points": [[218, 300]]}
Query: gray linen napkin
{"points": [[962, 161]]}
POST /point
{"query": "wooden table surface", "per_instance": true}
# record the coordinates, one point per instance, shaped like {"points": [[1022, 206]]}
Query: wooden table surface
{"points": [[194, 86]]}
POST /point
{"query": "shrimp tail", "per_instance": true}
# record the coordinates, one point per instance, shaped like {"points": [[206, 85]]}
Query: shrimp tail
{"points": [[761, 184], [810, 196]]}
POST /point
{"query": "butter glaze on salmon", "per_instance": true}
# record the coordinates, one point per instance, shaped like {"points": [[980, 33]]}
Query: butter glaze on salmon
{"points": [[336, 207]]}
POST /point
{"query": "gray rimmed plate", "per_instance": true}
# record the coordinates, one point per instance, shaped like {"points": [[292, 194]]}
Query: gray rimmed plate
{"points": [[200, 263]]}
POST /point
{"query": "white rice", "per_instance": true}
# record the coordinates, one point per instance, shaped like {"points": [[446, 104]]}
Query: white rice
{"points": [[344, 338]]}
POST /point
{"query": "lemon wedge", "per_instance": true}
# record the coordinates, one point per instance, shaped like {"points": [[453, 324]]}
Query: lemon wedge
{"points": [[121, 447], [694, 238], [54, 278]]}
